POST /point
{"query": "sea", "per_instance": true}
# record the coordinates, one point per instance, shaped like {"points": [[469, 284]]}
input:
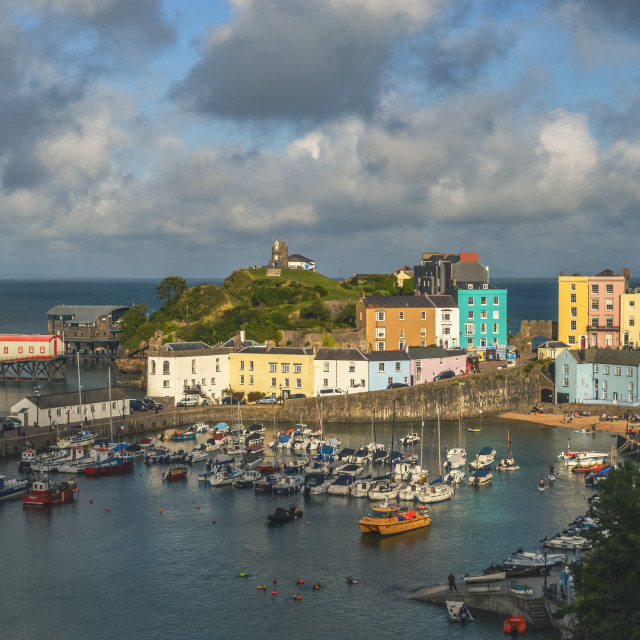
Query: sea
{"points": [[135, 557]]}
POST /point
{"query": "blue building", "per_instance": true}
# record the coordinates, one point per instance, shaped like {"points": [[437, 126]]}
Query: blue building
{"points": [[483, 314], [597, 376], [388, 367]]}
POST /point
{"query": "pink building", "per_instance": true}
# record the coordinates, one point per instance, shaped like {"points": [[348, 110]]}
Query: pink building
{"points": [[605, 290]]}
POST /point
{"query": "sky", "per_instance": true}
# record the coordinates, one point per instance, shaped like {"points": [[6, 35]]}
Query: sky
{"points": [[147, 138]]}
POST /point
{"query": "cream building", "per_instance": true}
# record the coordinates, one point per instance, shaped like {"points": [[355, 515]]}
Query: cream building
{"points": [[346, 369], [629, 319]]}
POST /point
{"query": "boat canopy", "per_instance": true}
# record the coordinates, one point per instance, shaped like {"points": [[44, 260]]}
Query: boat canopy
{"points": [[481, 473], [486, 451]]}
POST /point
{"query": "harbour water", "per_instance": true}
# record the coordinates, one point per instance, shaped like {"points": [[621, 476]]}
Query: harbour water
{"points": [[134, 557]]}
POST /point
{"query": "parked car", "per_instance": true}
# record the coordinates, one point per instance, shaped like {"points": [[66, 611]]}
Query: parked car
{"points": [[397, 385], [8, 423], [137, 405], [232, 400], [188, 401], [297, 395], [152, 404], [445, 375], [331, 391], [266, 400]]}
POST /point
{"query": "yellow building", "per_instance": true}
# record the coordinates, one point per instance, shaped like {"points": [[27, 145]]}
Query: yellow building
{"points": [[629, 316], [573, 310], [395, 322], [275, 371]]}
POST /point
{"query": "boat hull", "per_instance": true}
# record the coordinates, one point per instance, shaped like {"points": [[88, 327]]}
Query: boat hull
{"points": [[392, 526], [110, 467]]}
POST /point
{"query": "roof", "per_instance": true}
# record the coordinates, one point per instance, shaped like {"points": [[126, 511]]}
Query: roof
{"points": [[28, 338], [425, 353], [376, 356], [340, 354], [294, 351], [607, 273], [606, 356], [298, 257], [72, 398], [456, 352], [553, 344], [398, 302], [244, 343], [464, 286], [185, 346], [443, 301], [81, 313]]}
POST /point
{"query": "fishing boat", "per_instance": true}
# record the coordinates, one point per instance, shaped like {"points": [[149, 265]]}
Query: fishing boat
{"points": [[184, 435], [486, 583], [43, 492], [78, 438], [26, 458], [480, 478], [175, 472], [12, 488], [112, 465], [387, 521], [458, 612], [283, 515]]}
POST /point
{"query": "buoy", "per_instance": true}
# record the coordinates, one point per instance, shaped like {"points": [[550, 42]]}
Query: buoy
{"points": [[308, 522], [300, 581], [243, 575], [274, 593], [316, 586], [160, 510], [107, 508], [213, 522], [260, 587], [295, 597], [198, 507], [91, 501], [274, 580]]}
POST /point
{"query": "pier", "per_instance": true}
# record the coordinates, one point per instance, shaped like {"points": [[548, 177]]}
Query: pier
{"points": [[34, 370]]}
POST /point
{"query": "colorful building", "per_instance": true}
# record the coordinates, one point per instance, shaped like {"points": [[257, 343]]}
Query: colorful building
{"points": [[346, 369], [387, 368], [447, 319], [573, 310], [629, 317], [605, 290], [394, 322], [428, 362]]}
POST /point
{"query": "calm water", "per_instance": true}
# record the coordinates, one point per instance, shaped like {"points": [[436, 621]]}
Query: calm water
{"points": [[136, 572]]}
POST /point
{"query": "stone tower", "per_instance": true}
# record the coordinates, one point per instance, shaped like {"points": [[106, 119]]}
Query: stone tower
{"points": [[279, 255]]}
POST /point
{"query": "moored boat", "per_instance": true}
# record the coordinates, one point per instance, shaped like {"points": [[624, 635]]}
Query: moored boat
{"points": [[457, 611], [43, 492], [175, 472], [486, 583], [388, 521], [480, 478], [12, 488], [112, 465]]}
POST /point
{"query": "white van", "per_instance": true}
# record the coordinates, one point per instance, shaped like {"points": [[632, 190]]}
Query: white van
{"points": [[331, 391], [188, 401]]}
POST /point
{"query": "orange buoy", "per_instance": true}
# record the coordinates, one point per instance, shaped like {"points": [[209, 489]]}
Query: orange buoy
{"points": [[515, 625], [300, 581], [198, 507], [91, 501], [107, 508]]}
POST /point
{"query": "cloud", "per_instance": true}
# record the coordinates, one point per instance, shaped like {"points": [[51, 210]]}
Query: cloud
{"points": [[313, 60]]}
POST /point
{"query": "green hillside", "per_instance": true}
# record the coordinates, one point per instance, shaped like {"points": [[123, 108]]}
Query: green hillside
{"points": [[249, 300]]}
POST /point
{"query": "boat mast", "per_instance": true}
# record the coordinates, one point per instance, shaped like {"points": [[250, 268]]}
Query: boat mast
{"points": [[110, 416], [79, 390], [439, 460], [421, 439]]}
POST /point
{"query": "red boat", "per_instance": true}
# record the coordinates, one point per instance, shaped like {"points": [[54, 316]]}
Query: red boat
{"points": [[515, 625], [586, 469], [270, 467], [44, 492], [111, 466], [175, 473]]}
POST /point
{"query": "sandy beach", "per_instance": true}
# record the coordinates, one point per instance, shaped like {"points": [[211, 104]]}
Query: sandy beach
{"points": [[556, 420]]}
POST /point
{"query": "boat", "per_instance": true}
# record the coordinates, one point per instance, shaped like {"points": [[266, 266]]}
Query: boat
{"points": [[532, 562], [247, 479], [12, 488], [342, 485], [198, 454], [581, 468], [112, 465], [146, 442], [201, 427], [316, 483], [283, 514], [184, 435], [270, 467], [43, 492], [78, 438], [49, 461], [435, 492], [387, 521], [175, 472], [361, 488], [26, 458], [265, 483], [571, 543], [480, 478], [384, 491], [484, 458], [78, 458], [594, 477], [519, 589], [474, 429], [486, 583], [455, 476], [457, 611], [515, 625], [508, 463], [288, 484], [410, 439]]}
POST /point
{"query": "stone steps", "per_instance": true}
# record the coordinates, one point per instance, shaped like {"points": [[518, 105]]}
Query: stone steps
{"points": [[539, 613]]}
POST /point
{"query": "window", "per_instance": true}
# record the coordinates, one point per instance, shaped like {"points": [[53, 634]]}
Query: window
{"points": [[604, 395], [469, 329], [273, 382], [352, 367], [565, 369], [573, 298], [631, 386], [153, 367], [596, 368], [241, 379], [573, 325], [483, 328], [470, 302], [470, 314], [402, 315], [574, 312], [423, 333], [325, 366], [594, 289], [285, 367], [595, 304], [380, 332], [496, 301], [241, 365], [250, 365], [165, 384], [250, 380], [618, 371], [423, 315], [571, 339], [608, 339], [397, 366], [286, 383], [380, 366], [483, 301], [446, 317], [379, 346], [297, 368], [605, 384], [631, 397], [325, 382], [496, 315], [418, 377], [165, 367], [632, 321], [42, 350], [213, 381], [608, 304], [483, 314], [217, 365], [380, 316], [193, 366], [629, 372], [469, 286], [352, 382], [470, 342], [572, 286], [609, 320], [389, 380], [632, 305], [204, 381], [565, 382], [402, 333], [19, 349], [423, 343], [595, 322], [298, 383], [446, 331], [362, 383], [606, 370], [609, 289], [273, 367], [496, 327]]}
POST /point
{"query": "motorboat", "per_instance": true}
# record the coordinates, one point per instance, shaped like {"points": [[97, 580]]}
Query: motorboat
{"points": [[184, 435], [434, 493], [198, 454], [265, 483], [78, 437], [586, 459], [26, 458], [12, 488], [588, 468], [224, 476], [410, 439], [480, 478], [571, 543], [288, 484], [455, 476], [386, 521], [514, 625], [317, 483], [408, 471], [484, 458], [283, 514], [175, 472], [532, 562], [384, 491], [342, 485], [486, 583], [49, 461], [113, 464], [362, 455], [457, 611], [507, 464], [361, 488], [146, 442], [247, 479], [43, 492]]}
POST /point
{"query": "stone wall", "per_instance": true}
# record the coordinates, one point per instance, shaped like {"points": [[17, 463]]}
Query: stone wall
{"points": [[529, 329], [344, 338]]}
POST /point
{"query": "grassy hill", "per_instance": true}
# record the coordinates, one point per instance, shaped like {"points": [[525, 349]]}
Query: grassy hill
{"points": [[262, 306]]}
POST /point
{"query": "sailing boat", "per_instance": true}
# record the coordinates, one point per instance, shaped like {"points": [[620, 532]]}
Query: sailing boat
{"points": [[457, 457], [508, 463], [437, 491]]}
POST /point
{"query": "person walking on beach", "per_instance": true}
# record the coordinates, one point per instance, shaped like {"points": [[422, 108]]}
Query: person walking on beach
{"points": [[452, 583]]}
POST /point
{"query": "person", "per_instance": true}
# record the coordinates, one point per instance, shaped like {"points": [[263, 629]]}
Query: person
{"points": [[452, 583], [563, 581], [463, 612], [551, 473], [542, 483]]}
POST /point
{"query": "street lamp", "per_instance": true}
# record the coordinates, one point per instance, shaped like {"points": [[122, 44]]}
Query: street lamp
{"points": [[281, 398], [36, 390]]}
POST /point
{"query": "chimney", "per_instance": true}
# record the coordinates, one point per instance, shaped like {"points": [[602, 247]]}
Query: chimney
{"points": [[237, 345], [242, 336], [362, 294], [561, 273]]}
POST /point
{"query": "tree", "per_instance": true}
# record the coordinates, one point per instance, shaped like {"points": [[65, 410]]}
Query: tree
{"points": [[129, 324], [608, 581], [170, 288]]}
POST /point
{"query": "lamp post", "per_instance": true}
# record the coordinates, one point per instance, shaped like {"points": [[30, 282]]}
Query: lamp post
{"points": [[36, 390], [281, 398], [50, 426]]}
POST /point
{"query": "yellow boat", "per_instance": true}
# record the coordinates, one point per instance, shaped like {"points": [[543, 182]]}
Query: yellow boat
{"points": [[474, 429], [389, 521]]}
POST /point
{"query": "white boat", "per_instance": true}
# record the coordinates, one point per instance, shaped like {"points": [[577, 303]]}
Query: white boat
{"points": [[407, 471], [455, 476], [458, 612], [480, 478], [571, 543], [455, 460], [288, 484], [80, 438], [487, 583], [508, 463], [49, 461], [26, 458], [225, 476], [484, 458], [410, 439], [589, 459], [361, 488], [79, 458], [201, 427], [342, 485], [384, 491], [198, 454], [247, 478], [436, 493], [523, 560]]}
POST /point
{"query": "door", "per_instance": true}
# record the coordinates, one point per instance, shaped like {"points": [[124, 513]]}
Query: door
{"points": [[583, 343]]}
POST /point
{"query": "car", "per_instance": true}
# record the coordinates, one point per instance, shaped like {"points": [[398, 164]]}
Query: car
{"points": [[266, 400], [8, 423], [297, 395], [445, 375], [397, 385], [137, 405], [188, 401], [331, 391], [152, 404], [232, 400]]}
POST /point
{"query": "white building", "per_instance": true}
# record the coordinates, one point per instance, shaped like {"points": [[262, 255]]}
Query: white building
{"points": [[30, 347], [298, 261], [346, 369], [447, 321], [71, 408]]}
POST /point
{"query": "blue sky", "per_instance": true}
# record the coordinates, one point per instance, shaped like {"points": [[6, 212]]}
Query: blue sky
{"points": [[145, 138]]}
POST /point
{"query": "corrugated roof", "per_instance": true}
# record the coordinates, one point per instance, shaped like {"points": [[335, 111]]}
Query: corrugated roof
{"points": [[83, 314], [72, 398], [185, 346], [326, 353], [398, 302]]}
